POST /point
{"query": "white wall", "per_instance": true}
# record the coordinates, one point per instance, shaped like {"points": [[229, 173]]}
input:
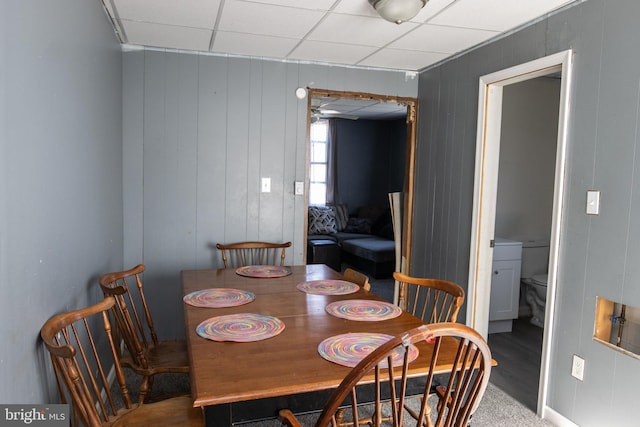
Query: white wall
{"points": [[528, 145]]}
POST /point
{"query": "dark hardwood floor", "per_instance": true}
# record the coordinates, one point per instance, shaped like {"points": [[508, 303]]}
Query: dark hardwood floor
{"points": [[518, 355]]}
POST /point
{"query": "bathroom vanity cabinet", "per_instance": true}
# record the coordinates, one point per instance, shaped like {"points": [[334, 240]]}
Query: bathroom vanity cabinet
{"points": [[505, 285]]}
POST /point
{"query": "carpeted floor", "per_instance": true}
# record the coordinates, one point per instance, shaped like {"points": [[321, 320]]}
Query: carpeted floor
{"points": [[496, 409]]}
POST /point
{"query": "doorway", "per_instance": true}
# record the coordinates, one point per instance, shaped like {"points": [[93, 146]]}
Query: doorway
{"points": [[486, 191], [356, 101]]}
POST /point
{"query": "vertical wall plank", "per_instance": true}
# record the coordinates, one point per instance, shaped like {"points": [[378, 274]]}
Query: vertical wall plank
{"points": [[211, 158], [239, 125]]}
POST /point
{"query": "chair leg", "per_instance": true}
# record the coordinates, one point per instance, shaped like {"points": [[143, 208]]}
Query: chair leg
{"points": [[145, 388], [427, 421], [339, 417]]}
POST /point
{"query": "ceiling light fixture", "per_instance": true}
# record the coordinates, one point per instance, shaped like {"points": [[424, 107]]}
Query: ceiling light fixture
{"points": [[397, 11]]}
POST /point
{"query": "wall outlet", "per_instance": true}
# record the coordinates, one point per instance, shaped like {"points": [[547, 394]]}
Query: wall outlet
{"points": [[577, 368]]}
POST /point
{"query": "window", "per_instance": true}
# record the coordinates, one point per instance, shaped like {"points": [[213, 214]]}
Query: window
{"points": [[318, 163]]}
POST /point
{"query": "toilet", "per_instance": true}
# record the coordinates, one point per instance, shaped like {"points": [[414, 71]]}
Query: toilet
{"points": [[535, 262]]}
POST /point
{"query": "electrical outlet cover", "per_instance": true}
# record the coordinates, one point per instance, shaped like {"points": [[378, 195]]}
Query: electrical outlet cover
{"points": [[577, 368]]}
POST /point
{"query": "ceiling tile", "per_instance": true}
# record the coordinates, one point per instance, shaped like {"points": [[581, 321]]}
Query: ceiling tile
{"points": [[497, 15], [188, 13], [257, 18], [402, 59], [253, 45], [363, 8], [358, 30], [432, 8], [330, 52], [302, 4], [435, 38], [348, 32], [167, 36]]}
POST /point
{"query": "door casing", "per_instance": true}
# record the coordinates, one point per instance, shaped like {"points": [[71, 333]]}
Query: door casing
{"points": [[485, 196]]}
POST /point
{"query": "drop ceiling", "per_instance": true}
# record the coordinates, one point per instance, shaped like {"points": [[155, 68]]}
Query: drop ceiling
{"points": [[344, 32]]}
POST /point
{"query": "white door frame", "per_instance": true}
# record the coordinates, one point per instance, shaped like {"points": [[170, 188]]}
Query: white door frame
{"points": [[485, 194]]}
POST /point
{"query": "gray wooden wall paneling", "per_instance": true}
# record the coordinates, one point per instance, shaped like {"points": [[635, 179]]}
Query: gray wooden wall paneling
{"points": [[598, 254], [211, 128], [61, 184], [273, 154], [170, 184], [292, 228], [615, 154], [240, 197], [212, 158], [132, 158]]}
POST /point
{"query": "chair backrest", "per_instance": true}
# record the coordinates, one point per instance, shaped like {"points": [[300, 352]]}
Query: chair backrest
{"points": [[459, 394], [133, 319], [432, 300], [239, 254], [80, 367], [353, 276]]}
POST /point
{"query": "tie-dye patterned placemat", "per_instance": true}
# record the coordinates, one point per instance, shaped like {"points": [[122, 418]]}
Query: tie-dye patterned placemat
{"points": [[219, 298], [241, 327], [363, 310], [264, 271], [350, 349], [328, 287]]}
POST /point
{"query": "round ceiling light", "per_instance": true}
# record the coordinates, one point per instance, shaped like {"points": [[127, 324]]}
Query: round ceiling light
{"points": [[398, 11]]}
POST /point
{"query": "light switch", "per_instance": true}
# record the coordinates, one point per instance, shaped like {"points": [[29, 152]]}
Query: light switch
{"points": [[266, 185], [299, 188], [593, 202]]}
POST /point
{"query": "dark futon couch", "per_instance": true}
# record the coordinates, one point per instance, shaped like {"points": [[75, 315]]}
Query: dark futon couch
{"points": [[363, 241]]}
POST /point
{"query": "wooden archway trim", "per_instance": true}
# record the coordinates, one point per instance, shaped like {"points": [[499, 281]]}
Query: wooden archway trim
{"points": [[412, 114]]}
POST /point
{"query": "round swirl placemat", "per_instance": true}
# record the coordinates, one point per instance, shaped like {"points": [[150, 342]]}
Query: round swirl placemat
{"points": [[350, 349], [219, 298], [264, 271], [241, 327], [363, 310], [328, 287]]}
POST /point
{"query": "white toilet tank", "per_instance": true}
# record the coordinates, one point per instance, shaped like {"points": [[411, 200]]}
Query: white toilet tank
{"points": [[535, 257]]}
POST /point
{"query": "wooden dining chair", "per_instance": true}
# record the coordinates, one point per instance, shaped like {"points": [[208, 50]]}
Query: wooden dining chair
{"points": [[82, 359], [239, 254], [143, 352], [458, 396], [432, 300], [353, 276]]}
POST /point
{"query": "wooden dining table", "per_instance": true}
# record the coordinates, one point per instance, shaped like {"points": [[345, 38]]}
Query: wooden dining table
{"points": [[238, 382]]}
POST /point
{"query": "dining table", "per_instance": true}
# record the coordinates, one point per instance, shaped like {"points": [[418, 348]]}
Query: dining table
{"points": [[236, 382]]}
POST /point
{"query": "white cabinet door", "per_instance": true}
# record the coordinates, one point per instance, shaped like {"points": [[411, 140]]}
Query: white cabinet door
{"points": [[505, 290]]}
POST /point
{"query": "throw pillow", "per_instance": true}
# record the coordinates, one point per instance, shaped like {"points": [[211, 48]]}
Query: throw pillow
{"points": [[342, 216], [358, 225], [322, 220]]}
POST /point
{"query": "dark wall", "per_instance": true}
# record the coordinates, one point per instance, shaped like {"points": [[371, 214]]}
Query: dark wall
{"points": [[371, 161]]}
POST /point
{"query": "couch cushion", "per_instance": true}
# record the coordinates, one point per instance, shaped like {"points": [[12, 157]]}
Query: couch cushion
{"points": [[341, 236], [375, 249]]}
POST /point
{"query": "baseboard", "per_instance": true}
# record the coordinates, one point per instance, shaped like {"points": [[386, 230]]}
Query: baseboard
{"points": [[556, 418]]}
